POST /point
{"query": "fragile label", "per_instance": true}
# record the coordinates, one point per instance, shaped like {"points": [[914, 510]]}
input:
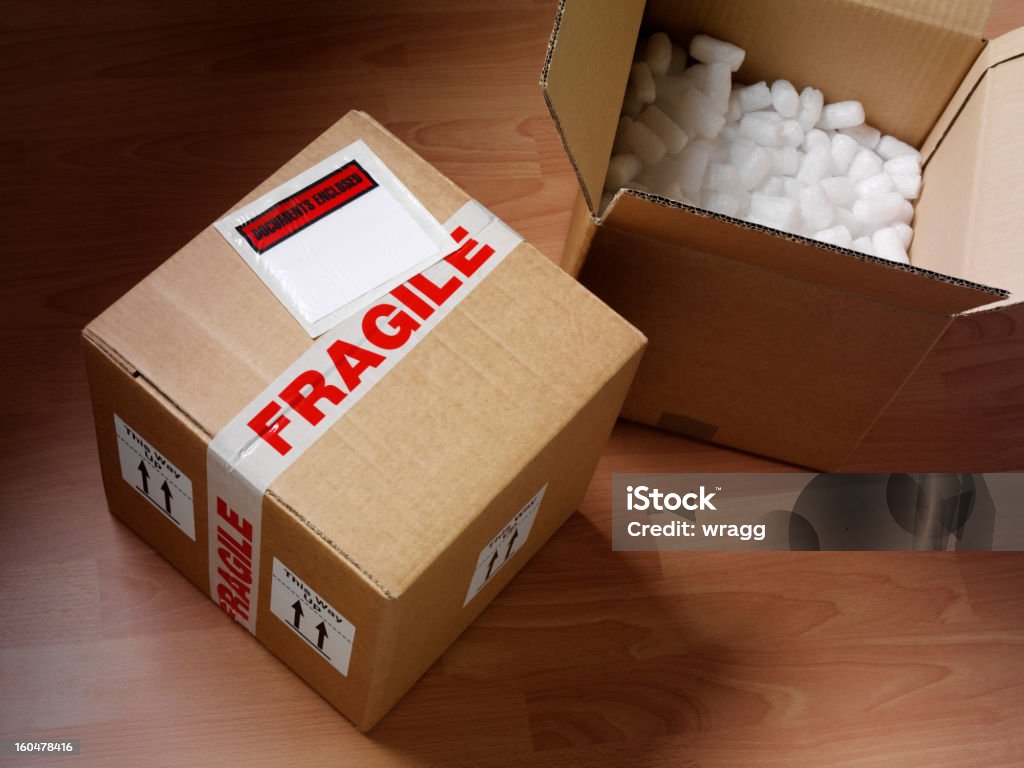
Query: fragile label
{"points": [[156, 479], [499, 550], [311, 617], [336, 237]]}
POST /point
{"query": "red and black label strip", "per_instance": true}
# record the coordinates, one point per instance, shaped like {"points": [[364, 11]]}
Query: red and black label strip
{"points": [[306, 207]]}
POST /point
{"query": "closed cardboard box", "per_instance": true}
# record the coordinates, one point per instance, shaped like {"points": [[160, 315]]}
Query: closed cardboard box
{"points": [[774, 343], [354, 499]]}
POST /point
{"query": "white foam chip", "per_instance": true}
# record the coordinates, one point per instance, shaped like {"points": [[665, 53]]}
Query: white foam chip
{"points": [[837, 235], [816, 139], [735, 110], [844, 149], [622, 169], [874, 185], [771, 154], [817, 210], [718, 86], [721, 202], [754, 167], [764, 128], [774, 211], [842, 114], [785, 99], [693, 164], [864, 135], [712, 51], [864, 245], [889, 245], [811, 103], [865, 163], [785, 160], [722, 178], [905, 232], [773, 186], [878, 209], [890, 147], [658, 53], [840, 190], [642, 82], [815, 165], [672, 135], [644, 143], [792, 134], [754, 97]]}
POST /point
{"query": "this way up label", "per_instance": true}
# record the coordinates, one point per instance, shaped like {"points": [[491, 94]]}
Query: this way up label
{"points": [[311, 617], [161, 483], [502, 547]]}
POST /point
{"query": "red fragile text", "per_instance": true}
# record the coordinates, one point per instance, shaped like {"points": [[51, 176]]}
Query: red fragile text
{"points": [[386, 327], [234, 554]]}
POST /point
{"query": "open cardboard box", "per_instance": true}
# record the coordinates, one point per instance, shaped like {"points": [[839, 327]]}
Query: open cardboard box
{"points": [[771, 342]]}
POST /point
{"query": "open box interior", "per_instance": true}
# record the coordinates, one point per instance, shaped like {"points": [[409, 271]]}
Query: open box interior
{"points": [[923, 73]]}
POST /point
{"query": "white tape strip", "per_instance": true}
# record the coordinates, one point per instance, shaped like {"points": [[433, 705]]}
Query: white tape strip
{"points": [[276, 428]]}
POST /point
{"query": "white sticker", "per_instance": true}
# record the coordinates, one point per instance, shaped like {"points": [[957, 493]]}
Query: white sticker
{"points": [[336, 237], [311, 395], [503, 547], [158, 481], [311, 617]]}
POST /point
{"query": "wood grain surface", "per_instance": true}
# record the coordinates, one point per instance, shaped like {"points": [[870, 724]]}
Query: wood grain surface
{"points": [[127, 128]]}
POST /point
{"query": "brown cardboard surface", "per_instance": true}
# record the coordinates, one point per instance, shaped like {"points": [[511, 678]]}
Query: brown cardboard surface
{"points": [[114, 390], [504, 373], [429, 610], [584, 79], [798, 258], [386, 514], [752, 358], [969, 220], [579, 236]]}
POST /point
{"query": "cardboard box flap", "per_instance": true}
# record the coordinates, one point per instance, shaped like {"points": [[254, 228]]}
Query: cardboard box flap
{"points": [[205, 304], [584, 79], [902, 58], [698, 230], [995, 52], [968, 221]]}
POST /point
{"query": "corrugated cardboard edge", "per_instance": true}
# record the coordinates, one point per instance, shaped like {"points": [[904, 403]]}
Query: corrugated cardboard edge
{"points": [[552, 42], [999, 51], [996, 293], [614, 79], [90, 337]]}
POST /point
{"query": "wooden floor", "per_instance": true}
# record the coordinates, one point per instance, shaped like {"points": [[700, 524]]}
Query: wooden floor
{"points": [[127, 127]]}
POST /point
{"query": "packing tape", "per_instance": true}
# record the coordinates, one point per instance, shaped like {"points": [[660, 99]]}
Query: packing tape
{"points": [[318, 389]]}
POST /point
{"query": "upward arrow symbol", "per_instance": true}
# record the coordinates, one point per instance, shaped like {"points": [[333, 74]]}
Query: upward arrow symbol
{"points": [[145, 477], [167, 497], [490, 565], [297, 606]]}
